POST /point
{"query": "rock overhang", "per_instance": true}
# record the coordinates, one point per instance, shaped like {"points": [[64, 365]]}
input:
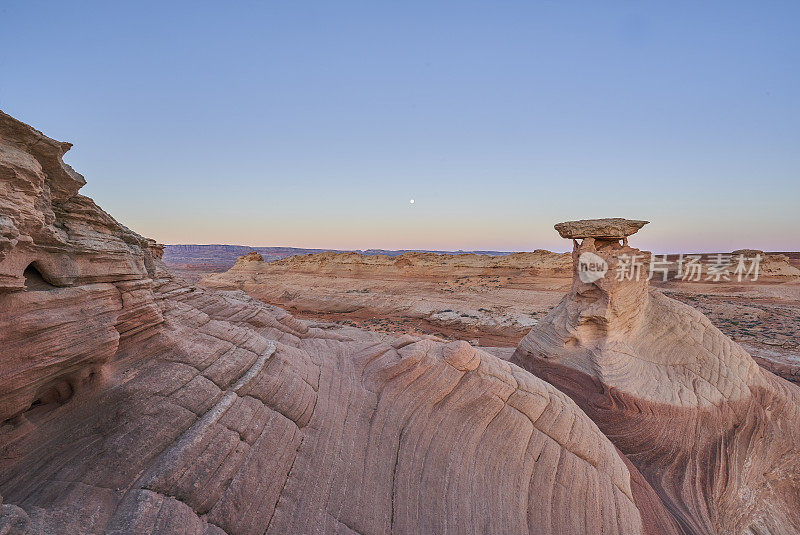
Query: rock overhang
{"points": [[614, 228]]}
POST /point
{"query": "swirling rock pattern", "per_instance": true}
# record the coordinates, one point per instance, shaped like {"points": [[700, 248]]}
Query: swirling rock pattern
{"points": [[713, 433], [135, 403], [229, 416]]}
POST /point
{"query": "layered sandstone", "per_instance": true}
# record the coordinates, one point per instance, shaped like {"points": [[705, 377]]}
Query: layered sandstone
{"points": [[409, 264], [252, 423], [614, 228], [46, 224], [462, 296], [136, 403], [713, 433], [73, 281], [494, 300]]}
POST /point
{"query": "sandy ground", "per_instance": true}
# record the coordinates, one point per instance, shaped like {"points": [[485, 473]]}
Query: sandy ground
{"points": [[764, 317], [490, 310]]}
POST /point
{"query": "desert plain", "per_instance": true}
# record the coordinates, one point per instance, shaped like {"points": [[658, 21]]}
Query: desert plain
{"points": [[495, 300]]}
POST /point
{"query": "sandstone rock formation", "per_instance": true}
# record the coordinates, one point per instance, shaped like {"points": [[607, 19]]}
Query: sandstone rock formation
{"points": [[540, 262], [85, 275], [135, 403], [463, 296], [771, 265], [615, 228], [252, 256], [193, 262], [714, 434]]}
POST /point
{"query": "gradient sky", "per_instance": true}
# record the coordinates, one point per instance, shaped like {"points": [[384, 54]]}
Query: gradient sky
{"points": [[313, 123]]}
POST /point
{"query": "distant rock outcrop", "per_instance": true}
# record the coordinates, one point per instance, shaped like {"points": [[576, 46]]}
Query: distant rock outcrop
{"points": [[714, 434], [540, 262], [252, 256], [464, 296], [770, 265]]}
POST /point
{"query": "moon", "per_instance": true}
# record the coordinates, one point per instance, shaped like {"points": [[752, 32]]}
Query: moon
{"points": [[411, 201]]}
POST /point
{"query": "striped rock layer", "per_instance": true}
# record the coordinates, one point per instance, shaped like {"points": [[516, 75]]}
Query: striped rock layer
{"points": [[132, 402], [713, 434]]}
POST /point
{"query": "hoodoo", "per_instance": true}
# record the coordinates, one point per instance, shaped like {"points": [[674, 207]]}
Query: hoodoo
{"points": [[713, 433]]}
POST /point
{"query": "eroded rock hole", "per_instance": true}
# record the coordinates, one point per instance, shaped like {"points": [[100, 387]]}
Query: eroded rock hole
{"points": [[35, 281], [58, 393]]}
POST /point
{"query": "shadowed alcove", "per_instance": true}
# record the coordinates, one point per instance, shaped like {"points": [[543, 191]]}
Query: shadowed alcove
{"points": [[34, 280]]}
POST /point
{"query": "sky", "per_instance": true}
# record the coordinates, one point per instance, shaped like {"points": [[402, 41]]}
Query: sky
{"points": [[313, 124]]}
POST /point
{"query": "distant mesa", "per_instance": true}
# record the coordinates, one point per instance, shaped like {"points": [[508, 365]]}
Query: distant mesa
{"points": [[539, 261]]}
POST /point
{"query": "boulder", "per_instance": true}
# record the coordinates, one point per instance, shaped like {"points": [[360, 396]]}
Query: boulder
{"points": [[615, 228]]}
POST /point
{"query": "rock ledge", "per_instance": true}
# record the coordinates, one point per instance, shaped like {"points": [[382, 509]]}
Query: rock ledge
{"points": [[615, 228]]}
